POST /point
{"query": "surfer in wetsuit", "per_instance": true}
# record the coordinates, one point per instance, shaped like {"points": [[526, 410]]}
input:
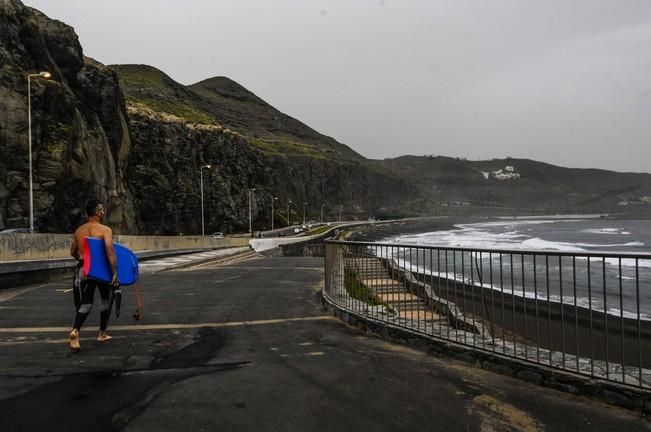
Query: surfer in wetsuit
{"points": [[84, 289]]}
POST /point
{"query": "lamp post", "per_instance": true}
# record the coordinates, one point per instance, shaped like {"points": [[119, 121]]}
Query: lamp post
{"points": [[45, 75], [304, 204], [322, 212], [251, 192], [272, 211], [340, 208], [202, 218], [289, 217]]}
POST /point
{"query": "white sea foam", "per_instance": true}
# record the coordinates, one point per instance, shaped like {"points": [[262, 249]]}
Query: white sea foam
{"points": [[537, 243], [511, 235], [565, 216], [515, 223], [626, 262], [611, 231]]}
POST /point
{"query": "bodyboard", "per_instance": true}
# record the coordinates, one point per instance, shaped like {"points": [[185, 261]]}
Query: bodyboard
{"points": [[97, 266]]}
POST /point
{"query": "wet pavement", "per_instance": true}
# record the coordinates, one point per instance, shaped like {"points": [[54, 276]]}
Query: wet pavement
{"points": [[245, 346]]}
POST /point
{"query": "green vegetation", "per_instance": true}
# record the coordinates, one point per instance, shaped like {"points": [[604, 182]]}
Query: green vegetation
{"points": [[58, 135], [55, 148], [358, 290], [176, 108], [153, 89], [140, 77], [287, 148]]}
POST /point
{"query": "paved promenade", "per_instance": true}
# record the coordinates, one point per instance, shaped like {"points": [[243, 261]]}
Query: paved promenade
{"points": [[245, 346]]}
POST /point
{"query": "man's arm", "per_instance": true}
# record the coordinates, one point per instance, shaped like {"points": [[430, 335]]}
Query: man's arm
{"points": [[74, 247], [110, 254]]}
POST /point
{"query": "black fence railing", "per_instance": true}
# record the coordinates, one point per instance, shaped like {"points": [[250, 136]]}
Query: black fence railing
{"points": [[588, 313]]}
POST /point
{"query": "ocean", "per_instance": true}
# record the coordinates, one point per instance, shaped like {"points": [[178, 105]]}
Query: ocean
{"points": [[620, 286], [554, 233]]}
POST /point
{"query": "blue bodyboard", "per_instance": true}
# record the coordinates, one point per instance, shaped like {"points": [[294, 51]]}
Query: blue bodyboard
{"points": [[97, 266]]}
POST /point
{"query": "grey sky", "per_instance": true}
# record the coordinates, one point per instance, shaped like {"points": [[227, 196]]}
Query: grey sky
{"points": [[561, 81]]}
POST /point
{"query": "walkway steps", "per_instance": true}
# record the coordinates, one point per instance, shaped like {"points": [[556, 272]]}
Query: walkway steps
{"points": [[390, 291]]}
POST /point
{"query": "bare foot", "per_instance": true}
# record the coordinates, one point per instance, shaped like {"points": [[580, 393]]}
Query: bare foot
{"points": [[103, 337], [74, 340]]}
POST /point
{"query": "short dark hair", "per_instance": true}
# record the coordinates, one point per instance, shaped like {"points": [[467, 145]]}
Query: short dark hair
{"points": [[91, 207]]}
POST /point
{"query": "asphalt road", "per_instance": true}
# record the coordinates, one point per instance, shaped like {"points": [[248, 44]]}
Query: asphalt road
{"points": [[246, 347]]}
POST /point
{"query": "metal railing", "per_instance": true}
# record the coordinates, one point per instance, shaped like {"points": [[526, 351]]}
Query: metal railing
{"points": [[588, 313]]}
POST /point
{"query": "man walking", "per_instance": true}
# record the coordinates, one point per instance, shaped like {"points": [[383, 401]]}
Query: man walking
{"points": [[84, 289]]}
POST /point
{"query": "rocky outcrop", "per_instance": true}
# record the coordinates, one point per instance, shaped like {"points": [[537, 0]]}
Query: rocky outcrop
{"points": [[167, 192], [80, 140]]}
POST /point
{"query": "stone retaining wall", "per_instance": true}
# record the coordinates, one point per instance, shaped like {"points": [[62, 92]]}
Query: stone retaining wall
{"points": [[48, 246]]}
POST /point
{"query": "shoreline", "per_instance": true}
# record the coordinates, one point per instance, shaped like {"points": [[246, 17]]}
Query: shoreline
{"points": [[375, 233], [388, 232]]}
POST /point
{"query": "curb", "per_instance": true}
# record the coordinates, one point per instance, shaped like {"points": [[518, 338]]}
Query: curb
{"points": [[216, 259]]}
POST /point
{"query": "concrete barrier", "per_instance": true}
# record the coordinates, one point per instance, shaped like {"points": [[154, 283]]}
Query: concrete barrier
{"points": [[260, 245], [25, 246]]}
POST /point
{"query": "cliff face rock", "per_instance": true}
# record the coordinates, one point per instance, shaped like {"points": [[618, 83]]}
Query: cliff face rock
{"points": [[141, 154], [164, 167], [80, 142]]}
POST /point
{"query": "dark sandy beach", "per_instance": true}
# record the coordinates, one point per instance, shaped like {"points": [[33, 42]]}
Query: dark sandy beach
{"points": [[378, 232]]}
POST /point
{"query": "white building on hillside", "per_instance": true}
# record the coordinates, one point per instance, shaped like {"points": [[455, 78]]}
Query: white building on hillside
{"points": [[508, 173]]}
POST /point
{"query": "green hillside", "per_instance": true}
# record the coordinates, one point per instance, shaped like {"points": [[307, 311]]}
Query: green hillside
{"points": [[222, 102]]}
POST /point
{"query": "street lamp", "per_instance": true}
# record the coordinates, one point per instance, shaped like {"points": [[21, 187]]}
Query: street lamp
{"points": [[251, 192], [272, 211], [322, 212], [304, 204], [201, 176], [45, 75], [340, 208], [289, 216]]}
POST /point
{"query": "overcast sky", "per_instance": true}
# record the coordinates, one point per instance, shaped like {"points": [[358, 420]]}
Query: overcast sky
{"points": [[560, 81]]}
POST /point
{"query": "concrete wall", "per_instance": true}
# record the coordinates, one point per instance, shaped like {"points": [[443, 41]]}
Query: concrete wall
{"points": [[264, 244], [260, 245], [47, 246]]}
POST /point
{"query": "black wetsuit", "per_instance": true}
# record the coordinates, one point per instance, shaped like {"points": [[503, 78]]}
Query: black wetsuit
{"points": [[84, 293]]}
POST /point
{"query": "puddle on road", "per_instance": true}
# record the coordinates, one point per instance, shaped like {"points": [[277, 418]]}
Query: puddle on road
{"points": [[108, 400]]}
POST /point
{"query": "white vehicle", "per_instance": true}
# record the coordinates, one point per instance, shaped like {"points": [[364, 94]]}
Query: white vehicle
{"points": [[217, 235]]}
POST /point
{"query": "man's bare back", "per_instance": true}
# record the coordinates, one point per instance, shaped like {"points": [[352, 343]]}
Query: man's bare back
{"points": [[93, 228], [90, 229]]}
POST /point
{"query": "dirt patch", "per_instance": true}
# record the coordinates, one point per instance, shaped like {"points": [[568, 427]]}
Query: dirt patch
{"points": [[499, 416]]}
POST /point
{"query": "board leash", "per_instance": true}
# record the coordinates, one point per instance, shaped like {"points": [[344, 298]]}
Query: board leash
{"points": [[140, 304]]}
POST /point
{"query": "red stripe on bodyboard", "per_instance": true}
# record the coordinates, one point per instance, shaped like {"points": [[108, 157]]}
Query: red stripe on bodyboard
{"points": [[87, 256]]}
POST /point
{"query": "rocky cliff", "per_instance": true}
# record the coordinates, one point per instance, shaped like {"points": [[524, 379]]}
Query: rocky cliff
{"points": [[79, 128], [165, 176], [142, 154]]}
